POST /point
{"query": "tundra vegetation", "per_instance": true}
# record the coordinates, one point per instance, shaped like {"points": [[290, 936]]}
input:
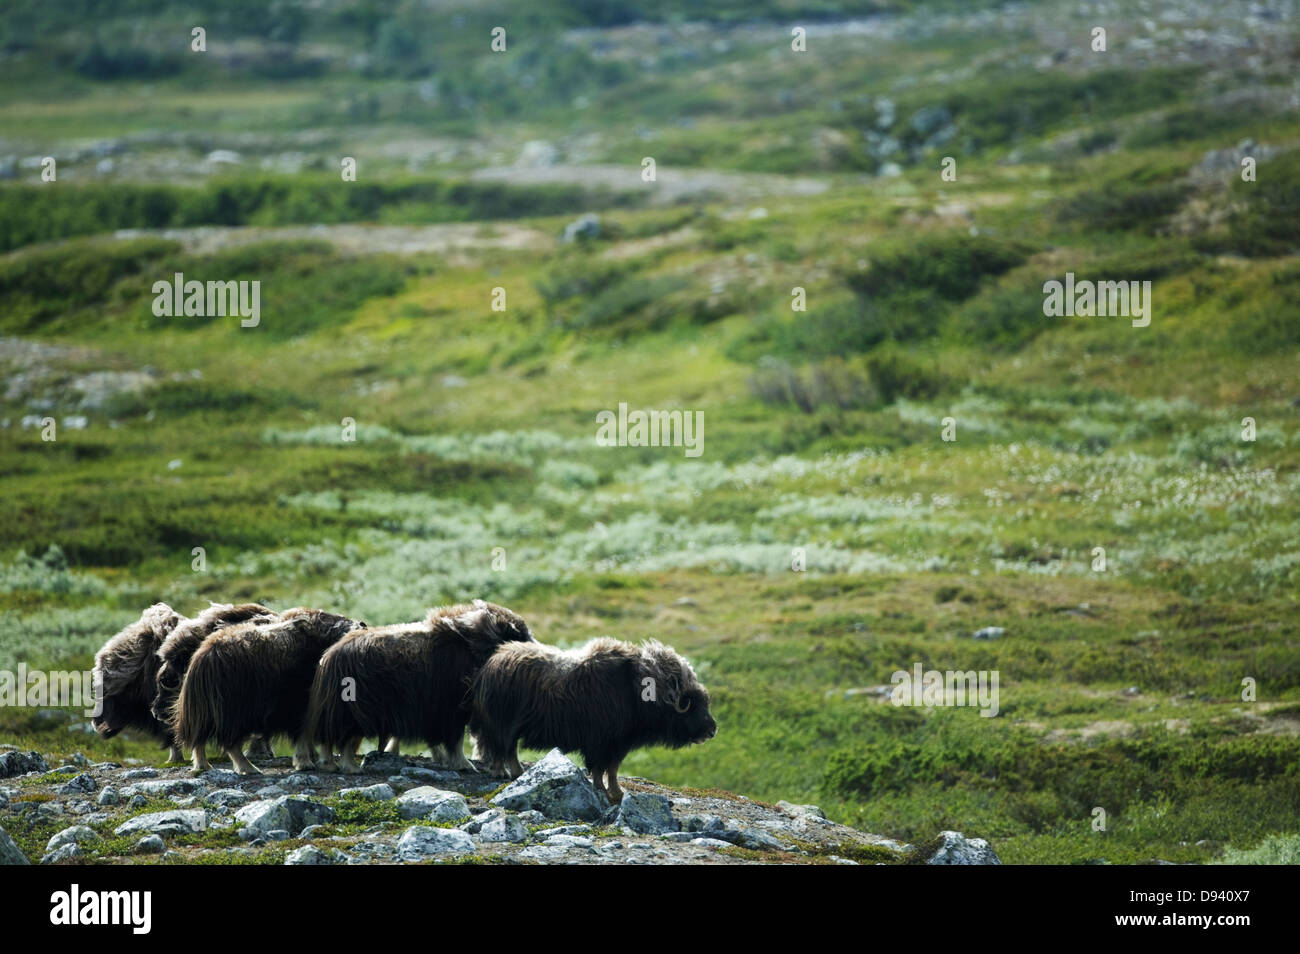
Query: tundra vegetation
{"points": [[1121, 688]]}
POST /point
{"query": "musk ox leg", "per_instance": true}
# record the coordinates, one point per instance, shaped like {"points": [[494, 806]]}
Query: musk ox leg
{"points": [[174, 753], [259, 747], [612, 790], [393, 745], [456, 755], [597, 776], [348, 762], [512, 762], [477, 755], [241, 764], [201, 763], [303, 756]]}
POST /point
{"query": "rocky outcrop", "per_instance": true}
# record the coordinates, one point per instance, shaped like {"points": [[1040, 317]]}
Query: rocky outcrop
{"points": [[418, 812]]}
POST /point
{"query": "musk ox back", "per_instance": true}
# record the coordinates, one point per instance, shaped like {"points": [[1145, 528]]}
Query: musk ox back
{"points": [[255, 678], [603, 700], [408, 681], [125, 671]]}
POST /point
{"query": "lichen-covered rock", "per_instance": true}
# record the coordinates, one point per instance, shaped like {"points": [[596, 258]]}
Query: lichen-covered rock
{"points": [[10, 854], [421, 774], [308, 855], [956, 849], [420, 842], [223, 777], [108, 796], [166, 787], [75, 835], [554, 786], [800, 811], [227, 798], [433, 804], [82, 784], [13, 764], [382, 763], [62, 853], [646, 814], [150, 845], [506, 828], [178, 821], [291, 813]]}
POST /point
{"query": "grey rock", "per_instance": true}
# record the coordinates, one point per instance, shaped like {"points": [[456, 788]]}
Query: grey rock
{"points": [[801, 811], [167, 787], [568, 841], [383, 763], [62, 853], [702, 823], [507, 828], [555, 787], [428, 774], [957, 849], [420, 842], [176, 821], [531, 817], [382, 792], [433, 804], [10, 854], [270, 791], [108, 796], [646, 814], [710, 843], [291, 813], [277, 834], [584, 227], [301, 780], [14, 764], [930, 119], [544, 833], [137, 801], [75, 835], [308, 855], [989, 632], [150, 845], [132, 774], [475, 824], [680, 836], [221, 777], [227, 798], [758, 840], [82, 784]]}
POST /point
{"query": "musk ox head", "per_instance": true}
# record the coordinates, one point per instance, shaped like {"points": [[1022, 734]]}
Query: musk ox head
{"points": [[684, 715], [125, 670]]}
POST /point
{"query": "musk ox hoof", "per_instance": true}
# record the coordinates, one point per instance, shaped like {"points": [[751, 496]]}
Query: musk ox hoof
{"points": [[248, 771], [328, 766], [350, 769]]}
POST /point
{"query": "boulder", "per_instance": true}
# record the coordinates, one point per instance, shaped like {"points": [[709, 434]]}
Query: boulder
{"points": [[82, 784], [956, 849], [433, 804], [554, 786], [646, 814], [420, 842], [505, 828], [291, 813], [13, 764], [381, 792], [72, 836], [178, 821], [10, 854]]}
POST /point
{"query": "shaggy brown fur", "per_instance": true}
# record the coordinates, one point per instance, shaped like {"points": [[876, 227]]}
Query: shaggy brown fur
{"points": [[255, 679], [408, 681], [602, 700], [125, 671]]}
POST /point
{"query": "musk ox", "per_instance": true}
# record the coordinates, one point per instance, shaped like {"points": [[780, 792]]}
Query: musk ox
{"points": [[178, 649], [603, 700], [255, 678], [125, 671], [408, 681]]}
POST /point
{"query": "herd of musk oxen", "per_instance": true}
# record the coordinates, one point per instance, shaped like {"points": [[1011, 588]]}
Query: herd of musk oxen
{"points": [[246, 674]]}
